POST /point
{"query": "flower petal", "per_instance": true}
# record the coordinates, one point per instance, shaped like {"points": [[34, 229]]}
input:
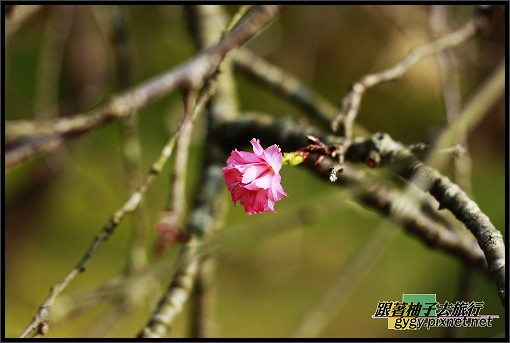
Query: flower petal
{"points": [[242, 158], [232, 177], [238, 193], [277, 192], [264, 182], [273, 156], [253, 179], [257, 148], [258, 176], [270, 206], [250, 174], [255, 202]]}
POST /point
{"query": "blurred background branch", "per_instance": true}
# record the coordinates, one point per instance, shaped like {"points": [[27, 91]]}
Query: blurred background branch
{"points": [[351, 103], [295, 271], [194, 275], [190, 74]]}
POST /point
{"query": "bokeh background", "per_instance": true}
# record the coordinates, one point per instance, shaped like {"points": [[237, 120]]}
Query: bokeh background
{"points": [[271, 274]]}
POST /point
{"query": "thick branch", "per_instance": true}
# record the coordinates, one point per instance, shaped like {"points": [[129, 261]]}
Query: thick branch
{"points": [[388, 202], [449, 196], [189, 75], [373, 194]]}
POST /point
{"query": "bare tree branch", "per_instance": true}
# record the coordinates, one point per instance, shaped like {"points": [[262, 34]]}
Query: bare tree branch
{"points": [[189, 75], [450, 79], [351, 103], [449, 196], [484, 97], [317, 108], [406, 193], [39, 323], [191, 264], [371, 193], [201, 222]]}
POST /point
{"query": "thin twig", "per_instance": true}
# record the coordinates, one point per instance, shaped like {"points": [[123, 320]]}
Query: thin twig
{"points": [[170, 225], [188, 263], [484, 97], [201, 222], [351, 103], [178, 203], [212, 25], [39, 323], [188, 75], [27, 149]]}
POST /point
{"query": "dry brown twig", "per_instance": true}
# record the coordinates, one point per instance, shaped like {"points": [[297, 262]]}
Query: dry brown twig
{"points": [[121, 107], [192, 269], [351, 103], [188, 75]]}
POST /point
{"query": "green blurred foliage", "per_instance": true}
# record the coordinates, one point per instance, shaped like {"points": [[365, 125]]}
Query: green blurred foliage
{"points": [[271, 274]]}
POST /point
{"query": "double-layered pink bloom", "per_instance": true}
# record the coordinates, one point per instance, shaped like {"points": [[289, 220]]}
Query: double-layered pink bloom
{"points": [[253, 179]]}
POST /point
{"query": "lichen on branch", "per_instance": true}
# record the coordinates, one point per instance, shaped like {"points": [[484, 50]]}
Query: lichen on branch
{"points": [[385, 150]]}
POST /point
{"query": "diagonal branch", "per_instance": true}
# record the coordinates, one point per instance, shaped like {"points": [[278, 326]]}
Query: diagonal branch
{"points": [[351, 103], [39, 322], [449, 196], [369, 192], [387, 200], [191, 270], [188, 75], [288, 86], [201, 222]]}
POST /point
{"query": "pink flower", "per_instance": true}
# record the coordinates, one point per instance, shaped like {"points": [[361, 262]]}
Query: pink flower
{"points": [[254, 179]]}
